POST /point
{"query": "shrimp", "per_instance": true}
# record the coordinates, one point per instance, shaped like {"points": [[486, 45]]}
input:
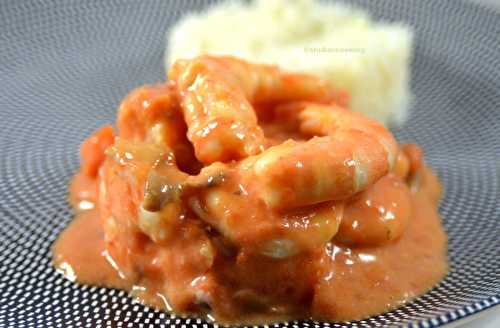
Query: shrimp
{"points": [[285, 201], [152, 113], [378, 215], [217, 198], [150, 238], [217, 95], [347, 154]]}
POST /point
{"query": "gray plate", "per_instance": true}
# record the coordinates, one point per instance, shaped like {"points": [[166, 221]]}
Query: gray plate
{"points": [[65, 65]]}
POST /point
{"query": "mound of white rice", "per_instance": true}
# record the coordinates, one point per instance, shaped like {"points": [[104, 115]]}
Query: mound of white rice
{"points": [[368, 59]]}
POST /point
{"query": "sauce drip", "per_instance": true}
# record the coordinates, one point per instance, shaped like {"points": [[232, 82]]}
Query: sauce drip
{"points": [[80, 251]]}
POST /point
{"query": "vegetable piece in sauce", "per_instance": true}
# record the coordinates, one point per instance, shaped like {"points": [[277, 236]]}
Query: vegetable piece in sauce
{"points": [[159, 191]]}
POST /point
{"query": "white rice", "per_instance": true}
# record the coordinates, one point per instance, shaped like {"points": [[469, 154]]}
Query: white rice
{"points": [[368, 59]]}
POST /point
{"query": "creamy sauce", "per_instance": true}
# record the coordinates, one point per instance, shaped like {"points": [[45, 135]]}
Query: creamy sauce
{"points": [[80, 252], [354, 283], [368, 281], [295, 209]]}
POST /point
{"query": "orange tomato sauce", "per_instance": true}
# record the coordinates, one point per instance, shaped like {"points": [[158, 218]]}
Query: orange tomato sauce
{"points": [[337, 282], [328, 218]]}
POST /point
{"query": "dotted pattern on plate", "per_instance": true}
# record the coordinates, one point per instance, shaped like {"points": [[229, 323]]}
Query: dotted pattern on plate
{"points": [[65, 66]]}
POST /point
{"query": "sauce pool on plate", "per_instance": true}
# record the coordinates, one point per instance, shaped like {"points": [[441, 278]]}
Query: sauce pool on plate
{"points": [[357, 283]]}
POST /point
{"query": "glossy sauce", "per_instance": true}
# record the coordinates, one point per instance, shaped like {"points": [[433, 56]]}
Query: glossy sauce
{"points": [[340, 282], [251, 195], [80, 252], [366, 281]]}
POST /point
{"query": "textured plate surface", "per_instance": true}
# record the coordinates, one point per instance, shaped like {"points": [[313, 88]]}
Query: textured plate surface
{"points": [[65, 65]]}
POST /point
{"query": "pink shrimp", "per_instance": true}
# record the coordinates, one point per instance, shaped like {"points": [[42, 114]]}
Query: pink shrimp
{"points": [[348, 153], [217, 95]]}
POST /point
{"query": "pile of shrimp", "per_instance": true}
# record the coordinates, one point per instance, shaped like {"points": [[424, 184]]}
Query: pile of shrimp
{"points": [[248, 157], [206, 119]]}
